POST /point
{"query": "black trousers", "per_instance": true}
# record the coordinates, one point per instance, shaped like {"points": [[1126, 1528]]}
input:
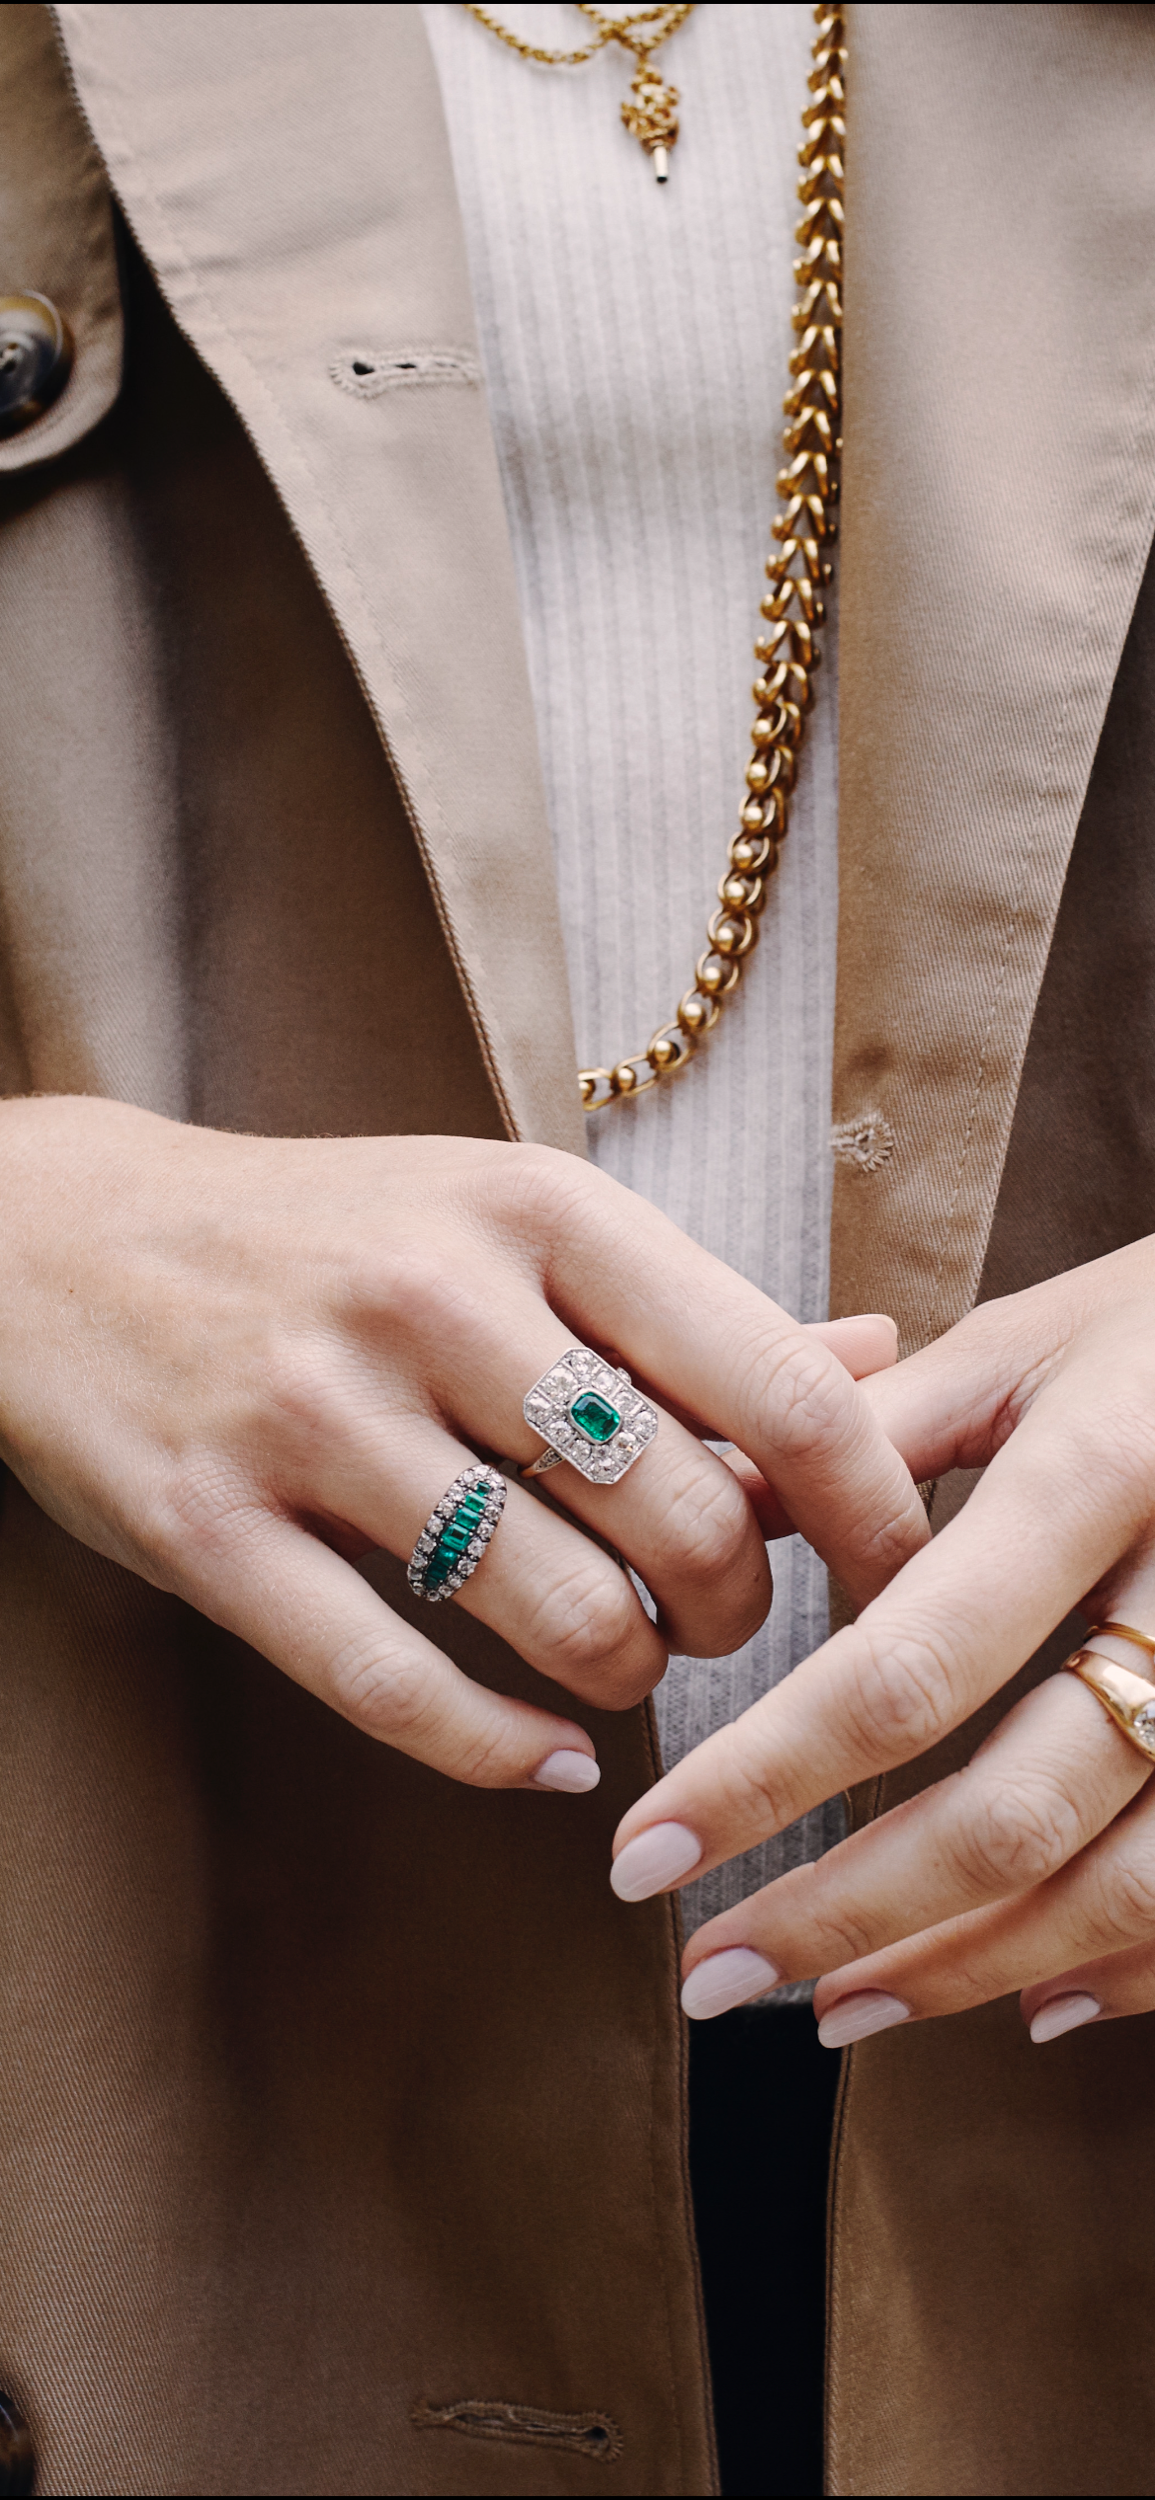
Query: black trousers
{"points": [[761, 2111]]}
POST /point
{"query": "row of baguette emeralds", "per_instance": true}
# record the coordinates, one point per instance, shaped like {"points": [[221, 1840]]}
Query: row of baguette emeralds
{"points": [[455, 1535]]}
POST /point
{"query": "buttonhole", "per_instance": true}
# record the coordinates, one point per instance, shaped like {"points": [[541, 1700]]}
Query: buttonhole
{"points": [[865, 1143], [589, 2434], [365, 372]]}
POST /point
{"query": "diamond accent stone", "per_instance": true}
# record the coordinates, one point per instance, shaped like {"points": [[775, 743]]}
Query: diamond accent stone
{"points": [[1143, 1726]]}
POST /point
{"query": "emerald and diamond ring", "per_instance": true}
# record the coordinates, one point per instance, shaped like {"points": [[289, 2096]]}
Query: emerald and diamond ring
{"points": [[591, 1414], [456, 1534]]}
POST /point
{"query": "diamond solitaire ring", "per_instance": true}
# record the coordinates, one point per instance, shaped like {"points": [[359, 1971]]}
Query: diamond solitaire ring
{"points": [[456, 1534], [591, 1414]]}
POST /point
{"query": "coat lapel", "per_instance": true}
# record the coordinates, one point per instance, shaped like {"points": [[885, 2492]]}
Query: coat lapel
{"points": [[999, 503], [287, 174]]}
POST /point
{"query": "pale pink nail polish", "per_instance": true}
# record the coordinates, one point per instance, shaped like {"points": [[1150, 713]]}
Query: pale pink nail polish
{"points": [[854, 2018], [1061, 2014], [573, 1773], [656, 1858], [726, 1979]]}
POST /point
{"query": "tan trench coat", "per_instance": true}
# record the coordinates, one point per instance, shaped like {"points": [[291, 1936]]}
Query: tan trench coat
{"points": [[342, 2109]]}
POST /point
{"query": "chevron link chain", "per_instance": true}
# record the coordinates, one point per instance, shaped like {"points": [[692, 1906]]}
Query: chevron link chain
{"points": [[793, 608]]}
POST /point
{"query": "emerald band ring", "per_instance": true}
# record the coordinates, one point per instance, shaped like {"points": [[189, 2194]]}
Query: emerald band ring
{"points": [[456, 1534], [591, 1414]]}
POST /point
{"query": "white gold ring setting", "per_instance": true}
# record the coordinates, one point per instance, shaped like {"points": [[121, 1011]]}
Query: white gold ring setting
{"points": [[590, 1414]]}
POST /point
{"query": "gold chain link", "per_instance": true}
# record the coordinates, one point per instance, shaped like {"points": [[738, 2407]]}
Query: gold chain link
{"points": [[793, 606], [650, 111], [610, 30]]}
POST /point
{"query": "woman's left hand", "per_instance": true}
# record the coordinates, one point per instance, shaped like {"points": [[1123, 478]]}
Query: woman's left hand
{"points": [[1033, 1868]]}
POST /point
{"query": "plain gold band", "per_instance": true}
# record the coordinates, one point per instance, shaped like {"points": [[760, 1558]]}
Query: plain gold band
{"points": [[1129, 1699], [1125, 1632]]}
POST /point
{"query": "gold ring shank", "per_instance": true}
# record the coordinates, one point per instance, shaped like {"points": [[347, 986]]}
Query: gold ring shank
{"points": [[1128, 1699], [1124, 1632]]}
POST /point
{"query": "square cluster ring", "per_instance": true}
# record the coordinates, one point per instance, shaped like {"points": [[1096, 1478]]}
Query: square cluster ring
{"points": [[591, 1414]]}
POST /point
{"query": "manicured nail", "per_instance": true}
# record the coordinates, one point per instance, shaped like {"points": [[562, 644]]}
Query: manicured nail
{"points": [[656, 1858], [574, 1773], [854, 2018], [726, 1979], [1061, 2014]]}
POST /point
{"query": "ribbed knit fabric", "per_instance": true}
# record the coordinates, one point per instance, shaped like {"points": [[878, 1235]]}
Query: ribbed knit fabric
{"points": [[635, 342]]}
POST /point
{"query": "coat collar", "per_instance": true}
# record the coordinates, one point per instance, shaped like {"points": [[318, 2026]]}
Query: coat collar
{"points": [[297, 204], [999, 503]]}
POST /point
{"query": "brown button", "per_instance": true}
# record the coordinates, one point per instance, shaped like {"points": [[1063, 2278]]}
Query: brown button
{"points": [[35, 359], [17, 2463]]}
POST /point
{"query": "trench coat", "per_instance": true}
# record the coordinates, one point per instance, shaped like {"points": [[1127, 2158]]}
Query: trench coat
{"points": [[342, 2109]]}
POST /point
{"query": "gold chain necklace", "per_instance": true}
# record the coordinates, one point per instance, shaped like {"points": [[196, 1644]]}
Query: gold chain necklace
{"points": [[650, 111], [804, 528]]}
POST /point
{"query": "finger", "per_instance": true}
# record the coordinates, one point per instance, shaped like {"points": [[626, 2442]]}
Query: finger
{"points": [[864, 1345], [1101, 1904], [1097, 1991], [956, 1402], [1052, 1511], [314, 1617], [563, 1603], [678, 1516], [623, 1276], [1053, 1774]]}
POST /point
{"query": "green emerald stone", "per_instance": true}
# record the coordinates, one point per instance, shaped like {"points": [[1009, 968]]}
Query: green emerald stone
{"points": [[454, 1537], [595, 1416]]}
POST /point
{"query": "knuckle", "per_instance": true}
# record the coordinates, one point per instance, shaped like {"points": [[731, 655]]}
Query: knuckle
{"points": [[199, 1516], [902, 1696], [389, 1697], [844, 1936], [883, 1546], [412, 1295], [587, 1627], [298, 1385], [1127, 1899], [706, 1528], [535, 1188], [383, 1692], [749, 1793], [798, 1391], [1014, 1836]]}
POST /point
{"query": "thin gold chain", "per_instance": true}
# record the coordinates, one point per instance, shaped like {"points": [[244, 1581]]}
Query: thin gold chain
{"points": [[650, 111], [610, 30], [787, 651]]}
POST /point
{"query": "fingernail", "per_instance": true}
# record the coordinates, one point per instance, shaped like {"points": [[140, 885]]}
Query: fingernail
{"points": [[854, 2018], [1061, 2014], [574, 1773], [726, 1979], [656, 1858]]}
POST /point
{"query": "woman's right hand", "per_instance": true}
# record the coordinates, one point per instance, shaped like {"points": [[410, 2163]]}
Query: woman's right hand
{"points": [[235, 1364]]}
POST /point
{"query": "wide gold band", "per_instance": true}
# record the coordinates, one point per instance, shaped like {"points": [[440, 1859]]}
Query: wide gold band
{"points": [[1128, 1698]]}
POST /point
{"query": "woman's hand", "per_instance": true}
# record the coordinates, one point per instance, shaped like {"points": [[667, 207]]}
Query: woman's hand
{"points": [[235, 1364], [1033, 1868]]}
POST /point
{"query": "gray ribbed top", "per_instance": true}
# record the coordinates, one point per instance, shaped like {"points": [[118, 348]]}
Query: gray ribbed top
{"points": [[635, 343]]}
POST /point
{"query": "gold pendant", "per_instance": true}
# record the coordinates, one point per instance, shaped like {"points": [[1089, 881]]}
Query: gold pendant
{"points": [[650, 113]]}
